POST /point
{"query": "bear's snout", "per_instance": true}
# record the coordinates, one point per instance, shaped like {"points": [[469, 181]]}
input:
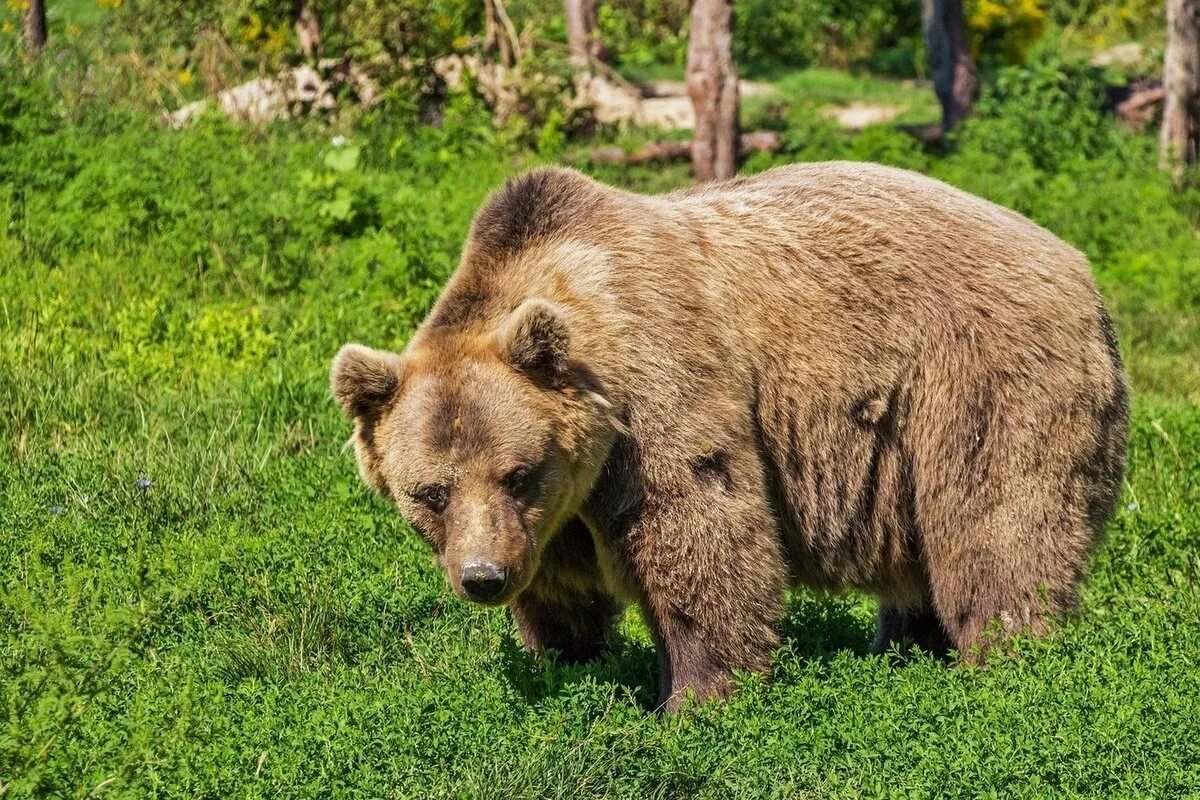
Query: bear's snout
{"points": [[483, 581]]}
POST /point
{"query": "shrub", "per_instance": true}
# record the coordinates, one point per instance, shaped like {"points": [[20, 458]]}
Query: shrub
{"points": [[1046, 114], [883, 34]]}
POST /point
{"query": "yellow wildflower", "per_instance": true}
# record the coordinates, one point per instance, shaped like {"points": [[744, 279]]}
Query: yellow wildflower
{"points": [[252, 29], [277, 38], [1008, 27]]}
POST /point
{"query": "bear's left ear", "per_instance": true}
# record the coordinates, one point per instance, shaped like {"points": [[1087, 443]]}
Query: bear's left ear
{"points": [[363, 379], [536, 338]]}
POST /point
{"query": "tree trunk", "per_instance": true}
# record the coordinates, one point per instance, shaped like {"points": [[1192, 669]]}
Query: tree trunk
{"points": [[1180, 136], [954, 77], [308, 30], [500, 36], [595, 43], [35, 25], [712, 83], [581, 31]]}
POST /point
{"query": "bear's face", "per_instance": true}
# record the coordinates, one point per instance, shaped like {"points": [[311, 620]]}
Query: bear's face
{"points": [[486, 443]]}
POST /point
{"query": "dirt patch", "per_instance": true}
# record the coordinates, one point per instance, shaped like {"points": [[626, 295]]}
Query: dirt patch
{"points": [[859, 115]]}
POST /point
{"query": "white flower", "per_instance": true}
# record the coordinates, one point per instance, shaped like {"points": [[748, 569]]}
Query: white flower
{"points": [[338, 141]]}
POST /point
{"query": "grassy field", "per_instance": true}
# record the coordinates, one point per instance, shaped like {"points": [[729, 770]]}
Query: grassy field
{"points": [[198, 598]]}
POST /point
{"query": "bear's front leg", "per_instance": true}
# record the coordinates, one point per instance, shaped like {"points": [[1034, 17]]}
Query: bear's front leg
{"points": [[712, 583], [697, 659], [577, 625], [566, 608]]}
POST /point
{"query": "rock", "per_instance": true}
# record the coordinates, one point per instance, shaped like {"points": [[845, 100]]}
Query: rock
{"points": [[655, 104], [1122, 55], [298, 91], [611, 102]]}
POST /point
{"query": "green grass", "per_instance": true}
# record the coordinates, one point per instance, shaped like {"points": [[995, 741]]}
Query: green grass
{"points": [[820, 87], [254, 623], [815, 89], [81, 14]]}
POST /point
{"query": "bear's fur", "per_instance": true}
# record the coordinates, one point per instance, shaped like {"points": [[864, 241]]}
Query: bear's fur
{"points": [[834, 375]]}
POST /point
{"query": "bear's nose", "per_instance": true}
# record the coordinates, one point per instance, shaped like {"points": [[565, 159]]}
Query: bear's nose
{"points": [[483, 581]]}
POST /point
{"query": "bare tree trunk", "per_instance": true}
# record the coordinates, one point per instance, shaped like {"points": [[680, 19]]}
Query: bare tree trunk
{"points": [[581, 16], [712, 83], [500, 35], [596, 44], [954, 77], [35, 25], [1180, 136], [308, 30]]}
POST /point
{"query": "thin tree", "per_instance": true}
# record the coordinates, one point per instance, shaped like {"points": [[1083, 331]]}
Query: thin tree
{"points": [[1180, 135], [954, 76], [500, 35], [712, 82], [308, 29], [35, 25], [582, 38]]}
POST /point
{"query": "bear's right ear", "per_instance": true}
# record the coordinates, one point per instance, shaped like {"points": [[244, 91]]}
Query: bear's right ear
{"points": [[536, 338], [363, 379]]}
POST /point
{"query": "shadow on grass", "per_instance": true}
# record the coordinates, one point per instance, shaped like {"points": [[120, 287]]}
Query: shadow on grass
{"points": [[818, 627], [813, 628]]}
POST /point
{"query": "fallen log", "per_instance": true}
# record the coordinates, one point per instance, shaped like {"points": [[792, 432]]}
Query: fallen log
{"points": [[1140, 108], [657, 152]]}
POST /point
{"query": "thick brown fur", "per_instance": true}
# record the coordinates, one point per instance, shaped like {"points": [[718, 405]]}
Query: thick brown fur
{"points": [[835, 375]]}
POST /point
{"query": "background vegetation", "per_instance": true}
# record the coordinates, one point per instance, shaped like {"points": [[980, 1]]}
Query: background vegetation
{"points": [[198, 598]]}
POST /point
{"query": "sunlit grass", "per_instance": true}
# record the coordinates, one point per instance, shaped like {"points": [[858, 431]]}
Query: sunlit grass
{"points": [[198, 598]]}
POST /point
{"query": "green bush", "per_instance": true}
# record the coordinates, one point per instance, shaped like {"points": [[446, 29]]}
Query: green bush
{"points": [[1047, 114], [1003, 31], [260, 31], [881, 34], [642, 33]]}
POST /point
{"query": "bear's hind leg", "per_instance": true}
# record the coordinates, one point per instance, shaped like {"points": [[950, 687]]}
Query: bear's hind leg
{"points": [[991, 586], [977, 622], [1012, 480]]}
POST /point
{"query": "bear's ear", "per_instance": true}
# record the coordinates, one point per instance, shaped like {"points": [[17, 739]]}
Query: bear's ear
{"points": [[536, 338], [363, 379]]}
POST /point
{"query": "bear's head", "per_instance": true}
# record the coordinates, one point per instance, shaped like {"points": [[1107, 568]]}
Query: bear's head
{"points": [[486, 439]]}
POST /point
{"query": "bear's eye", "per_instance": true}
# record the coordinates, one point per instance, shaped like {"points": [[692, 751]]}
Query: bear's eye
{"points": [[434, 497], [517, 481]]}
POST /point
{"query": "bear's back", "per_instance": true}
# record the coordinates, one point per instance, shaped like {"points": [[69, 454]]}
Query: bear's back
{"points": [[948, 233], [856, 252]]}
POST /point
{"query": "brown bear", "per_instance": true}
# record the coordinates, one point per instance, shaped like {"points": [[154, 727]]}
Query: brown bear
{"points": [[834, 375]]}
